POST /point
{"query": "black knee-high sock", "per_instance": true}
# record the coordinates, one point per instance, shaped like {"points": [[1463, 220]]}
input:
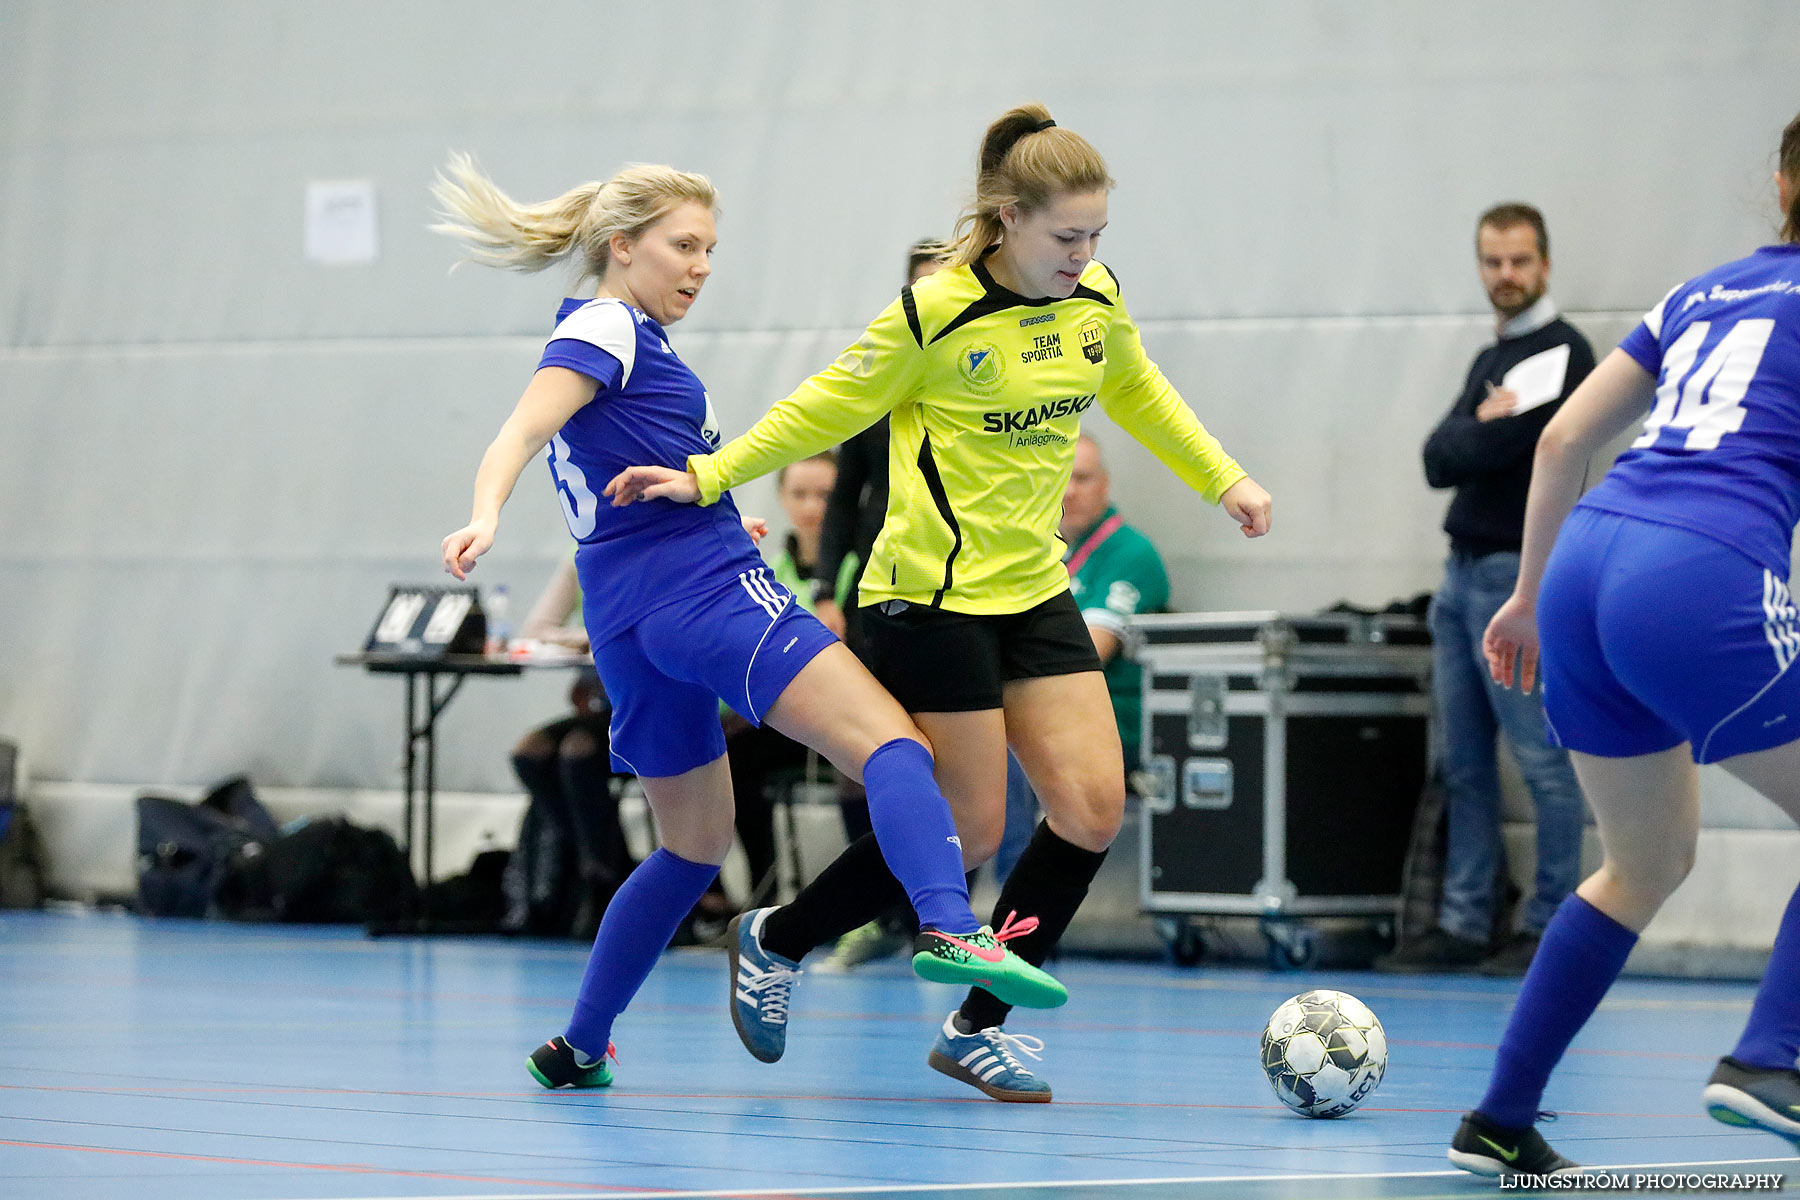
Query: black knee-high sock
{"points": [[1049, 883], [852, 891]]}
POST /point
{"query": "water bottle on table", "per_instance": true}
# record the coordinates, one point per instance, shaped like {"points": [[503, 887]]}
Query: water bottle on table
{"points": [[499, 629]]}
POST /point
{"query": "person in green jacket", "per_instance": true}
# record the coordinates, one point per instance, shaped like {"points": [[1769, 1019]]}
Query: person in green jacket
{"points": [[1115, 574]]}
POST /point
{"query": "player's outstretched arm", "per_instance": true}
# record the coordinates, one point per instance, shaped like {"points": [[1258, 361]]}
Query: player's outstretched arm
{"points": [[1608, 400], [553, 396], [1249, 506], [652, 483], [867, 380]]}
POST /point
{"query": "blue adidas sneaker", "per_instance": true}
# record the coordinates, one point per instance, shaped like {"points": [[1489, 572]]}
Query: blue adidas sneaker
{"points": [[985, 1060], [760, 984]]}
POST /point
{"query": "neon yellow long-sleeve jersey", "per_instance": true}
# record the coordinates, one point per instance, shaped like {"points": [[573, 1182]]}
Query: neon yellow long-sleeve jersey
{"points": [[986, 389]]}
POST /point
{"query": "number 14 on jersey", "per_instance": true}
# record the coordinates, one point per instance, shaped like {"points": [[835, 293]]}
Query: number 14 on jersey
{"points": [[1708, 402]]}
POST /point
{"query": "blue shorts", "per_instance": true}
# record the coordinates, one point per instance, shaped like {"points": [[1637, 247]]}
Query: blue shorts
{"points": [[1653, 636], [742, 642]]}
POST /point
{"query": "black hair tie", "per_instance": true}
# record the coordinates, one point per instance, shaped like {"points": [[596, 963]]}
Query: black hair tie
{"points": [[1042, 125]]}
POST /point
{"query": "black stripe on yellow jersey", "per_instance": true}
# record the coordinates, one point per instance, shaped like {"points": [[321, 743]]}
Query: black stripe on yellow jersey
{"points": [[997, 299], [934, 483], [912, 314], [986, 390]]}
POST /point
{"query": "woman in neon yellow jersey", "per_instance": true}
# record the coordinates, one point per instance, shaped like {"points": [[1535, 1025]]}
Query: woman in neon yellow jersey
{"points": [[986, 367]]}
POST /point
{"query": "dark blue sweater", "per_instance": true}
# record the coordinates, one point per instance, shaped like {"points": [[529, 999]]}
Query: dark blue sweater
{"points": [[1489, 462]]}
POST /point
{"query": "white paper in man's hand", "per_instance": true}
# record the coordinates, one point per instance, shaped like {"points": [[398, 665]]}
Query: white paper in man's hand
{"points": [[1539, 379]]}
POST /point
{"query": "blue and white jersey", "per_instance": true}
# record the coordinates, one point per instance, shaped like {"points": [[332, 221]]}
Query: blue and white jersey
{"points": [[1720, 452], [650, 410]]}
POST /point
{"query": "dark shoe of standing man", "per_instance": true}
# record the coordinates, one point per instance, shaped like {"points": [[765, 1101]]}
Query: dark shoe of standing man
{"points": [[1513, 957], [1433, 952]]}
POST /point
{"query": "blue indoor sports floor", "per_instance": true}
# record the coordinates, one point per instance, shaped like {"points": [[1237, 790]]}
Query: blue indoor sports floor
{"points": [[152, 1059]]}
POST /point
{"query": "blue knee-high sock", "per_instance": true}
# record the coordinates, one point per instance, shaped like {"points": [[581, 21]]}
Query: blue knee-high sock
{"points": [[643, 916], [917, 835], [1772, 1037], [1581, 953]]}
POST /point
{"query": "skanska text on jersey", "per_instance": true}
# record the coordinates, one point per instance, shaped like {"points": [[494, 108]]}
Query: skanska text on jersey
{"points": [[1022, 419]]}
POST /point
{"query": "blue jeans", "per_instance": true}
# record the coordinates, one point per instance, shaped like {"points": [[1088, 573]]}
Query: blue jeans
{"points": [[1021, 819], [1471, 710]]}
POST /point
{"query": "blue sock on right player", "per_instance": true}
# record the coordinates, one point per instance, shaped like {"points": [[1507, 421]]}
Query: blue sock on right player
{"points": [[917, 835], [1772, 1035], [1580, 955]]}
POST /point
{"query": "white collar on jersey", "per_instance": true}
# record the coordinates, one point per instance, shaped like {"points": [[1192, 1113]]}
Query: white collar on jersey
{"points": [[1531, 320]]}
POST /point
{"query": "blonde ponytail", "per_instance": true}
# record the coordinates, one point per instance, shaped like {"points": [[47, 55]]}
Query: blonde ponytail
{"points": [[498, 231]]}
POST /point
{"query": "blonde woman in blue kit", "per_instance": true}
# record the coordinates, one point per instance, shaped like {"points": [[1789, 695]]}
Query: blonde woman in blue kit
{"points": [[681, 610]]}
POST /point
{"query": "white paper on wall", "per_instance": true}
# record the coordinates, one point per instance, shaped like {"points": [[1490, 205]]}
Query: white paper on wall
{"points": [[340, 221]]}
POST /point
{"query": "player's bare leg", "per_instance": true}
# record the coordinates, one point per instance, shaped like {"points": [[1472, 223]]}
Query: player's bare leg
{"points": [[1063, 731]]}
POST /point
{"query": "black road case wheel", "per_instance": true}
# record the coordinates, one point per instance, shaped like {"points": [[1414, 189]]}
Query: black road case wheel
{"points": [[1182, 940], [1291, 947]]}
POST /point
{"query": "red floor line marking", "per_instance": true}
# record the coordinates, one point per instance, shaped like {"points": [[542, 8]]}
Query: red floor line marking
{"points": [[628, 1096], [828, 1015], [622, 1099], [1115, 1104], [341, 1168], [1074, 1026], [247, 1090]]}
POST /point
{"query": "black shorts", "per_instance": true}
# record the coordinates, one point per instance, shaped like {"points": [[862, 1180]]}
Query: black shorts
{"points": [[938, 661]]}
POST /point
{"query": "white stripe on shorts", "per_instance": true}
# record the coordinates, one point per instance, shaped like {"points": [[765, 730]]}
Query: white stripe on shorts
{"points": [[767, 585], [780, 604], [1783, 638], [1778, 606], [761, 594]]}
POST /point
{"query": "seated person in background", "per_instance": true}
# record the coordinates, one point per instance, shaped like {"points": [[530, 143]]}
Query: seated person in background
{"points": [[756, 752], [1115, 573], [572, 854]]}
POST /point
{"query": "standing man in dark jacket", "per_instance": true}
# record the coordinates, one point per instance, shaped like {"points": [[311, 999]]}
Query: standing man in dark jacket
{"points": [[1483, 448]]}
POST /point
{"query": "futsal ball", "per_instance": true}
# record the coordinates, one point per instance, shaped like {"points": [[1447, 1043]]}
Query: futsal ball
{"points": [[1324, 1052]]}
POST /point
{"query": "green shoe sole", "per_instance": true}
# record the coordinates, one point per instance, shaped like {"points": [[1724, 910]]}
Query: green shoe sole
{"points": [[1727, 1116], [594, 1077], [1014, 982]]}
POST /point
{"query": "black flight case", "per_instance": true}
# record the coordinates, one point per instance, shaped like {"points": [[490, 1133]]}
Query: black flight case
{"points": [[1284, 756]]}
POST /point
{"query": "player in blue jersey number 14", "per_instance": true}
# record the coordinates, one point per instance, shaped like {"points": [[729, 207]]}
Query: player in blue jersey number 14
{"points": [[1667, 634]]}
